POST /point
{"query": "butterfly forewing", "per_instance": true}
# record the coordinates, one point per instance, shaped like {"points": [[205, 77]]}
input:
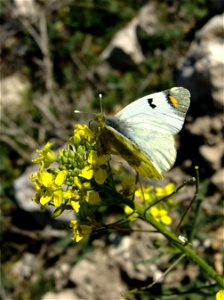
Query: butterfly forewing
{"points": [[163, 112]]}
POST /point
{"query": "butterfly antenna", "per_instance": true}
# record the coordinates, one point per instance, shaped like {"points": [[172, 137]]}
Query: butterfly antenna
{"points": [[76, 111], [101, 105]]}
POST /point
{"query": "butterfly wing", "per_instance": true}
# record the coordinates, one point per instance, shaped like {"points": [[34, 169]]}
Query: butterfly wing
{"points": [[163, 112], [130, 151], [143, 131]]}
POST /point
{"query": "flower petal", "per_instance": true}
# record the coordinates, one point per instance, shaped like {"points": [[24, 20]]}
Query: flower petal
{"points": [[57, 197], [87, 172], [100, 175], [92, 158], [44, 199], [60, 178], [93, 198], [46, 178], [75, 205], [166, 220]]}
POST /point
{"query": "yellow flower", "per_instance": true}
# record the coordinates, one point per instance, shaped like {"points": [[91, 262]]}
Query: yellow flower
{"points": [[46, 179], [60, 178], [96, 160], [50, 188], [79, 230], [147, 194], [47, 156], [129, 211], [165, 190], [81, 186], [68, 194], [160, 215], [75, 205], [82, 132], [93, 198], [220, 295], [35, 179], [46, 198], [166, 219], [87, 173], [94, 168], [154, 212], [57, 197]]}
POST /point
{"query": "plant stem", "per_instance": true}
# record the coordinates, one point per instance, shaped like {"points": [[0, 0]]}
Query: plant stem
{"points": [[177, 243]]}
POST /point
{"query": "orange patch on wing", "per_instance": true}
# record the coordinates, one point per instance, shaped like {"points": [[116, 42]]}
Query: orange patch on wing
{"points": [[173, 101]]}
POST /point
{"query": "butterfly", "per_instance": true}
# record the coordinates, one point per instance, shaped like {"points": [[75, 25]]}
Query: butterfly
{"points": [[143, 131]]}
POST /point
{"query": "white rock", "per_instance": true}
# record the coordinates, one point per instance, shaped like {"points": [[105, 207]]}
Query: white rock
{"points": [[213, 154], [92, 275], [66, 294], [13, 89], [202, 71], [25, 8], [25, 267], [125, 47], [218, 180]]}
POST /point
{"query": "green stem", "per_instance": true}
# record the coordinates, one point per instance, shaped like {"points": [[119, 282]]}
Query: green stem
{"points": [[182, 247]]}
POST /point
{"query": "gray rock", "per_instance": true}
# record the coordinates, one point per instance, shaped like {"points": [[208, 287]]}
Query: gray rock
{"points": [[25, 267], [24, 190], [213, 155], [105, 265], [25, 8], [92, 275], [218, 180], [124, 49], [13, 88], [67, 294], [202, 71]]}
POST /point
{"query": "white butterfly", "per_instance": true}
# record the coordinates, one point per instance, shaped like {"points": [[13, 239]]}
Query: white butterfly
{"points": [[142, 132]]}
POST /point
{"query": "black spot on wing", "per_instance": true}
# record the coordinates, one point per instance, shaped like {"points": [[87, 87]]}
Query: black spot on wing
{"points": [[152, 105]]}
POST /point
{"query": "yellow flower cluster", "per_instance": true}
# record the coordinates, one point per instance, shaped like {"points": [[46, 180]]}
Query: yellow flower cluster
{"points": [[150, 195], [73, 178], [80, 168]]}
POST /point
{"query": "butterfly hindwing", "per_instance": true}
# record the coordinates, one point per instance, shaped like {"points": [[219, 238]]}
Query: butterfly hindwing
{"points": [[131, 152]]}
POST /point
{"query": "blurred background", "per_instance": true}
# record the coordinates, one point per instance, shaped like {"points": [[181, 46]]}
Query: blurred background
{"points": [[57, 56]]}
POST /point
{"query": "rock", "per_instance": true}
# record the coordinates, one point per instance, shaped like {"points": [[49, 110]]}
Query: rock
{"points": [[208, 128], [202, 71], [131, 250], [25, 267], [25, 8], [213, 155], [125, 50], [13, 89], [61, 275], [205, 136], [114, 263], [67, 294], [24, 190], [218, 180], [92, 275]]}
